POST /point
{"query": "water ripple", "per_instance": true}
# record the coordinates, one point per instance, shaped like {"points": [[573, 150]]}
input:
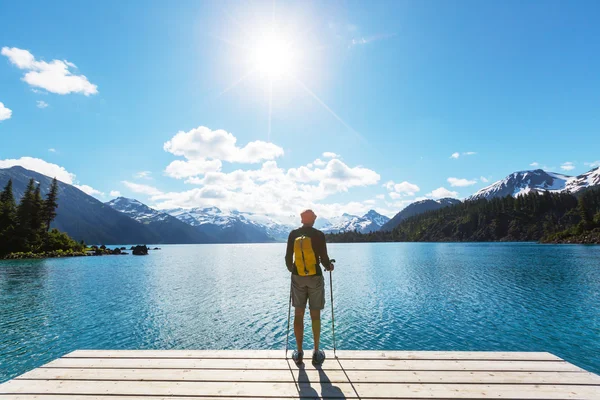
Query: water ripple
{"points": [[509, 297]]}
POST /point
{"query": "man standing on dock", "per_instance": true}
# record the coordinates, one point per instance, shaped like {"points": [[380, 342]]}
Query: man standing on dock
{"points": [[306, 250]]}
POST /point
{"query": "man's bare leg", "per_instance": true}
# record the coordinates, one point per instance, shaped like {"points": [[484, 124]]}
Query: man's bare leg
{"points": [[315, 316], [299, 326]]}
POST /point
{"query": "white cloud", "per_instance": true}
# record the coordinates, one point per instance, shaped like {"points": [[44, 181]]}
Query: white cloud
{"points": [[405, 188], [54, 76], [567, 166], [329, 154], [41, 104], [593, 164], [89, 190], [441, 192], [484, 179], [380, 196], [368, 39], [273, 190], [180, 169], [5, 112], [143, 175], [143, 189], [52, 150], [319, 163], [335, 176], [115, 193], [202, 143], [395, 195], [534, 164], [466, 153], [460, 182], [41, 166]]}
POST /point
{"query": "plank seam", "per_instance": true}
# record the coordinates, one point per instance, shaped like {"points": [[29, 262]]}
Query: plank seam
{"points": [[294, 381], [341, 358], [328, 369]]}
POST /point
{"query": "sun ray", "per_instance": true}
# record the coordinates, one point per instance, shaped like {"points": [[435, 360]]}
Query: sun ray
{"points": [[227, 41], [270, 109], [321, 102], [234, 84]]}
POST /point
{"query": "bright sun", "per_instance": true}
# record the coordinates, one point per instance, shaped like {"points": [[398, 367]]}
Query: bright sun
{"points": [[273, 57]]}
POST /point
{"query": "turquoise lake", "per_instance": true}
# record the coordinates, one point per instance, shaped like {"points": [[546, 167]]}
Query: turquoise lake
{"points": [[392, 296]]}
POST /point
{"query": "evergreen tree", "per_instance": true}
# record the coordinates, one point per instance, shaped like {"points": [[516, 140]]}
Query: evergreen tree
{"points": [[24, 213], [585, 211], [36, 229], [50, 204], [8, 218]]}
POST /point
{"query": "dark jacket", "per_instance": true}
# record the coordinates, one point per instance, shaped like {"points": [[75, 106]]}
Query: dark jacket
{"points": [[317, 239]]}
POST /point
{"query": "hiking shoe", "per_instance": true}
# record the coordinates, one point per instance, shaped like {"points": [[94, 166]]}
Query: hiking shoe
{"points": [[298, 356], [318, 357]]}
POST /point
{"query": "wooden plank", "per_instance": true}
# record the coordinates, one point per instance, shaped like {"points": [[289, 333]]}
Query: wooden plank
{"points": [[100, 397], [460, 365], [458, 391], [342, 354], [257, 389], [210, 375], [312, 375], [179, 363], [177, 354], [193, 363], [445, 355], [469, 377]]}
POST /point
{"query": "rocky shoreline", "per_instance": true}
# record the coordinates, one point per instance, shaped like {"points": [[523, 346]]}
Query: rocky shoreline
{"points": [[89, 252], [590, 237]]}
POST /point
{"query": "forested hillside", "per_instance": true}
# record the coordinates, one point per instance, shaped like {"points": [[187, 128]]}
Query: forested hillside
{"points": [[548, 217]]}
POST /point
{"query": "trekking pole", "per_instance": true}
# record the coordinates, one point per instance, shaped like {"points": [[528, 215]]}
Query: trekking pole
{"points": [[287, 335], [332, 315]]}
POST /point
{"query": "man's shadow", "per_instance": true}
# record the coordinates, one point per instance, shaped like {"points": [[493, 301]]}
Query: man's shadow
{"points": [[328, 390]]}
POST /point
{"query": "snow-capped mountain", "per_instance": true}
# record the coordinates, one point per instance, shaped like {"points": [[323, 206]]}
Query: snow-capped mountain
{"points": [[538, 180], [370, 222], [166, 227], [418, 207], [231, 226], [590, 178], [137, 210]]}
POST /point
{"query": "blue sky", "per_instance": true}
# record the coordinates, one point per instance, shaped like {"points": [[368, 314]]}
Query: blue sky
{"points": [[233, 104]]}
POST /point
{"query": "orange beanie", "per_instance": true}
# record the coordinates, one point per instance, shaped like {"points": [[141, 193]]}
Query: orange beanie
{"points": [[308, 216]]}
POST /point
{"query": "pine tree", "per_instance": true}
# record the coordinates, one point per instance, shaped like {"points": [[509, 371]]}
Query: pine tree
{"points": [[24, 213], [36, 229], [8, 218], [584, 211], [50, 204]]}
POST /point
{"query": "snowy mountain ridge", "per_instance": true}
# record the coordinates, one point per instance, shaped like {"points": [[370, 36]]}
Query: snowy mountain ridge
{"points": [[523, 182], [370, 222], [137, 210]]}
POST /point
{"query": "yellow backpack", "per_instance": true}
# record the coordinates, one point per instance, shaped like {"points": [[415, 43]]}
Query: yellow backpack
{"points": [[304, 256]]}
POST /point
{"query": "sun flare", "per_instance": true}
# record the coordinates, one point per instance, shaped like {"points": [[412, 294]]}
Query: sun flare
{"points": [[273, 57]]}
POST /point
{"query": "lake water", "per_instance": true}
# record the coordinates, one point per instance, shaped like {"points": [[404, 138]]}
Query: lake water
{"points": [[392, 296]]}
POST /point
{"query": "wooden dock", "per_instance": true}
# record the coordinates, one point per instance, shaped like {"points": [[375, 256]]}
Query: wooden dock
{"points": [[255, 374]]}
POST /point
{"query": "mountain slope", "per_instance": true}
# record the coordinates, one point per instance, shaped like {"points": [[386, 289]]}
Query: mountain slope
{"points": [[416, 208], [81, 216], [224, 227], [523, 182], [168, 228], [370, 222], [583, 181]]}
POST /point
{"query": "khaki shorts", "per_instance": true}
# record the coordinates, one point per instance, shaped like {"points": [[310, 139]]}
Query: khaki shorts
{"points": [[311, 288]]}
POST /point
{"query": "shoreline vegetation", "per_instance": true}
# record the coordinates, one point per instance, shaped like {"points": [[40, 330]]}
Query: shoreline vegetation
{"points": [[552, 218], [87, 252], [25, 228]]}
